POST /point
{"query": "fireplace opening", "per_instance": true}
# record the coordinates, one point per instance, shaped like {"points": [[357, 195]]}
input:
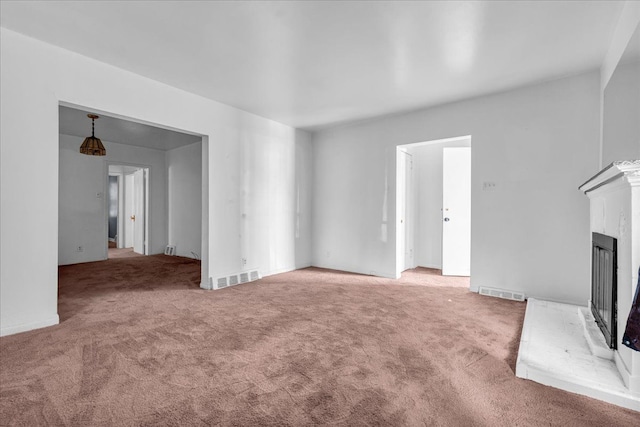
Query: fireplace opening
{"points": [[604, 285]]}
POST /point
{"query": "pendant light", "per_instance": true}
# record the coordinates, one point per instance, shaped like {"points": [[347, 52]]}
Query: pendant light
{"points": [[92, 146]]}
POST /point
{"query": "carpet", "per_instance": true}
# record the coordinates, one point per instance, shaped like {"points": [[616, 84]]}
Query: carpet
{"points": [[121, 253], [140, 344]]}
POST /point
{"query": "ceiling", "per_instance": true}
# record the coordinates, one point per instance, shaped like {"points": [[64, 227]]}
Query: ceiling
{"points": [[76, 123], [315, 64]]}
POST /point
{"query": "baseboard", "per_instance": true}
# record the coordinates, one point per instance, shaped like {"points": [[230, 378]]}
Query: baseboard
{"points": [[351, 269], [15, 329], [278, 271], [432, 266], [305, 264]]}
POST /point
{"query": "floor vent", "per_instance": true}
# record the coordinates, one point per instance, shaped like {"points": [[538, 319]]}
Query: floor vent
{"points": [[501, 293], [235, 279]]}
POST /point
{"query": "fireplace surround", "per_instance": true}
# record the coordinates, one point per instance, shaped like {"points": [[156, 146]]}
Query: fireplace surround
{"points": [[614, 211]]}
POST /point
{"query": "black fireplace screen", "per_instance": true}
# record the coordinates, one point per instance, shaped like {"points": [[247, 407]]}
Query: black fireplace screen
{"points": [[604, 284]]}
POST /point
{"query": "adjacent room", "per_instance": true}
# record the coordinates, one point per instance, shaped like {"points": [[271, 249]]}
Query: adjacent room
{"points": [[320, 213], [143, 196]]}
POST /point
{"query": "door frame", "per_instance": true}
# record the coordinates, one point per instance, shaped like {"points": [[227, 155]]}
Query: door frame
{"points": [[401, 240], [121, 196], [405, 206], [119, 215], [205, 282]]}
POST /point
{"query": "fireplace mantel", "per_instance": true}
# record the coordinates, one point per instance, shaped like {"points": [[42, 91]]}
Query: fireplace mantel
{"points": [[614, 210], [623, 170]]}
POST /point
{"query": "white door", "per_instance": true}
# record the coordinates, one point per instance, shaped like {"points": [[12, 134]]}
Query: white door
{"points": [[139, 214], [408, 213], [404, 212], [401, 208], [129, 210], [456, 211]]}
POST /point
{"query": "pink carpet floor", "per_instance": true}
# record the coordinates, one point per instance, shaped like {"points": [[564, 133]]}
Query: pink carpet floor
{"points": [[140, 344]]}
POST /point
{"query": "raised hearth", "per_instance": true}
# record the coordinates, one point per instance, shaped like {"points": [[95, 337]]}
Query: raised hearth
{"points": [[614, 210]]}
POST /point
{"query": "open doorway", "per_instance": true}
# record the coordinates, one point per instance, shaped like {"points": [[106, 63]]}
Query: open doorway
{"points": [[433, 210], [145, 194], [127, 211]]}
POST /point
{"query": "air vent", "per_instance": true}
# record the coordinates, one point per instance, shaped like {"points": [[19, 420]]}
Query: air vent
{"points": [[235, 279], [502, 293], [222, 282]]}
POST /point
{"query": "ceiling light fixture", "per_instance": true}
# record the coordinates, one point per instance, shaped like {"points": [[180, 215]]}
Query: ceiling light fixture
{"points": [[92, 146]]}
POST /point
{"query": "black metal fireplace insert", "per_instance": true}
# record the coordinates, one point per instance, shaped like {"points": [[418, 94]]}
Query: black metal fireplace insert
{"points": [[604, 285]]}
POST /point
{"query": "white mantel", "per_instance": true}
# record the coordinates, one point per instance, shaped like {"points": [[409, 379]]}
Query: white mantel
{"points": [[614, 195]]}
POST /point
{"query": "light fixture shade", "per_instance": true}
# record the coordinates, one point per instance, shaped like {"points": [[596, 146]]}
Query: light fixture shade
{"points": [[93, 147]]}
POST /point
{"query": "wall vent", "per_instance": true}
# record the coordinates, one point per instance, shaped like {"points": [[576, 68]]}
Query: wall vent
{"points": [[235, 279], [501, 293], [222, 282]]}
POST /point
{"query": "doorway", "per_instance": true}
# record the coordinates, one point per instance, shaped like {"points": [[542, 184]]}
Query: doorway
{"points": [[173, 162], [128, 210], [406, 209], [433, 211]]}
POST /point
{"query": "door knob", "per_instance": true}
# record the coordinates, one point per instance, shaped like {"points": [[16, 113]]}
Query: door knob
{"points": [[133, 217], [446, 220]]}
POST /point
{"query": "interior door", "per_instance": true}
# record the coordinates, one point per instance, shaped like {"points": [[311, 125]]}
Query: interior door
{"points": [[401, 208], [139, 211], [129, 210], [408, 213], [456, 211]]}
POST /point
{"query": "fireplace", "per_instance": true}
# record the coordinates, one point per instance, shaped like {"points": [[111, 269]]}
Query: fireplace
{"points": [[604, 298], [614, 216]]}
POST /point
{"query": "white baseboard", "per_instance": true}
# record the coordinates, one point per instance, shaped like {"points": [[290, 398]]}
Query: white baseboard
{"points": [[15, 329], [353, 269], [433, 266]]}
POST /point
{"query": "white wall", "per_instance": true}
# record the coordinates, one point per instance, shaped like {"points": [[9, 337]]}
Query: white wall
{"points": [[427, 166], [82, 214], [537, 143], [31, 95], [184, 175], [627, 25], [275, 193], [621, 123]]}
